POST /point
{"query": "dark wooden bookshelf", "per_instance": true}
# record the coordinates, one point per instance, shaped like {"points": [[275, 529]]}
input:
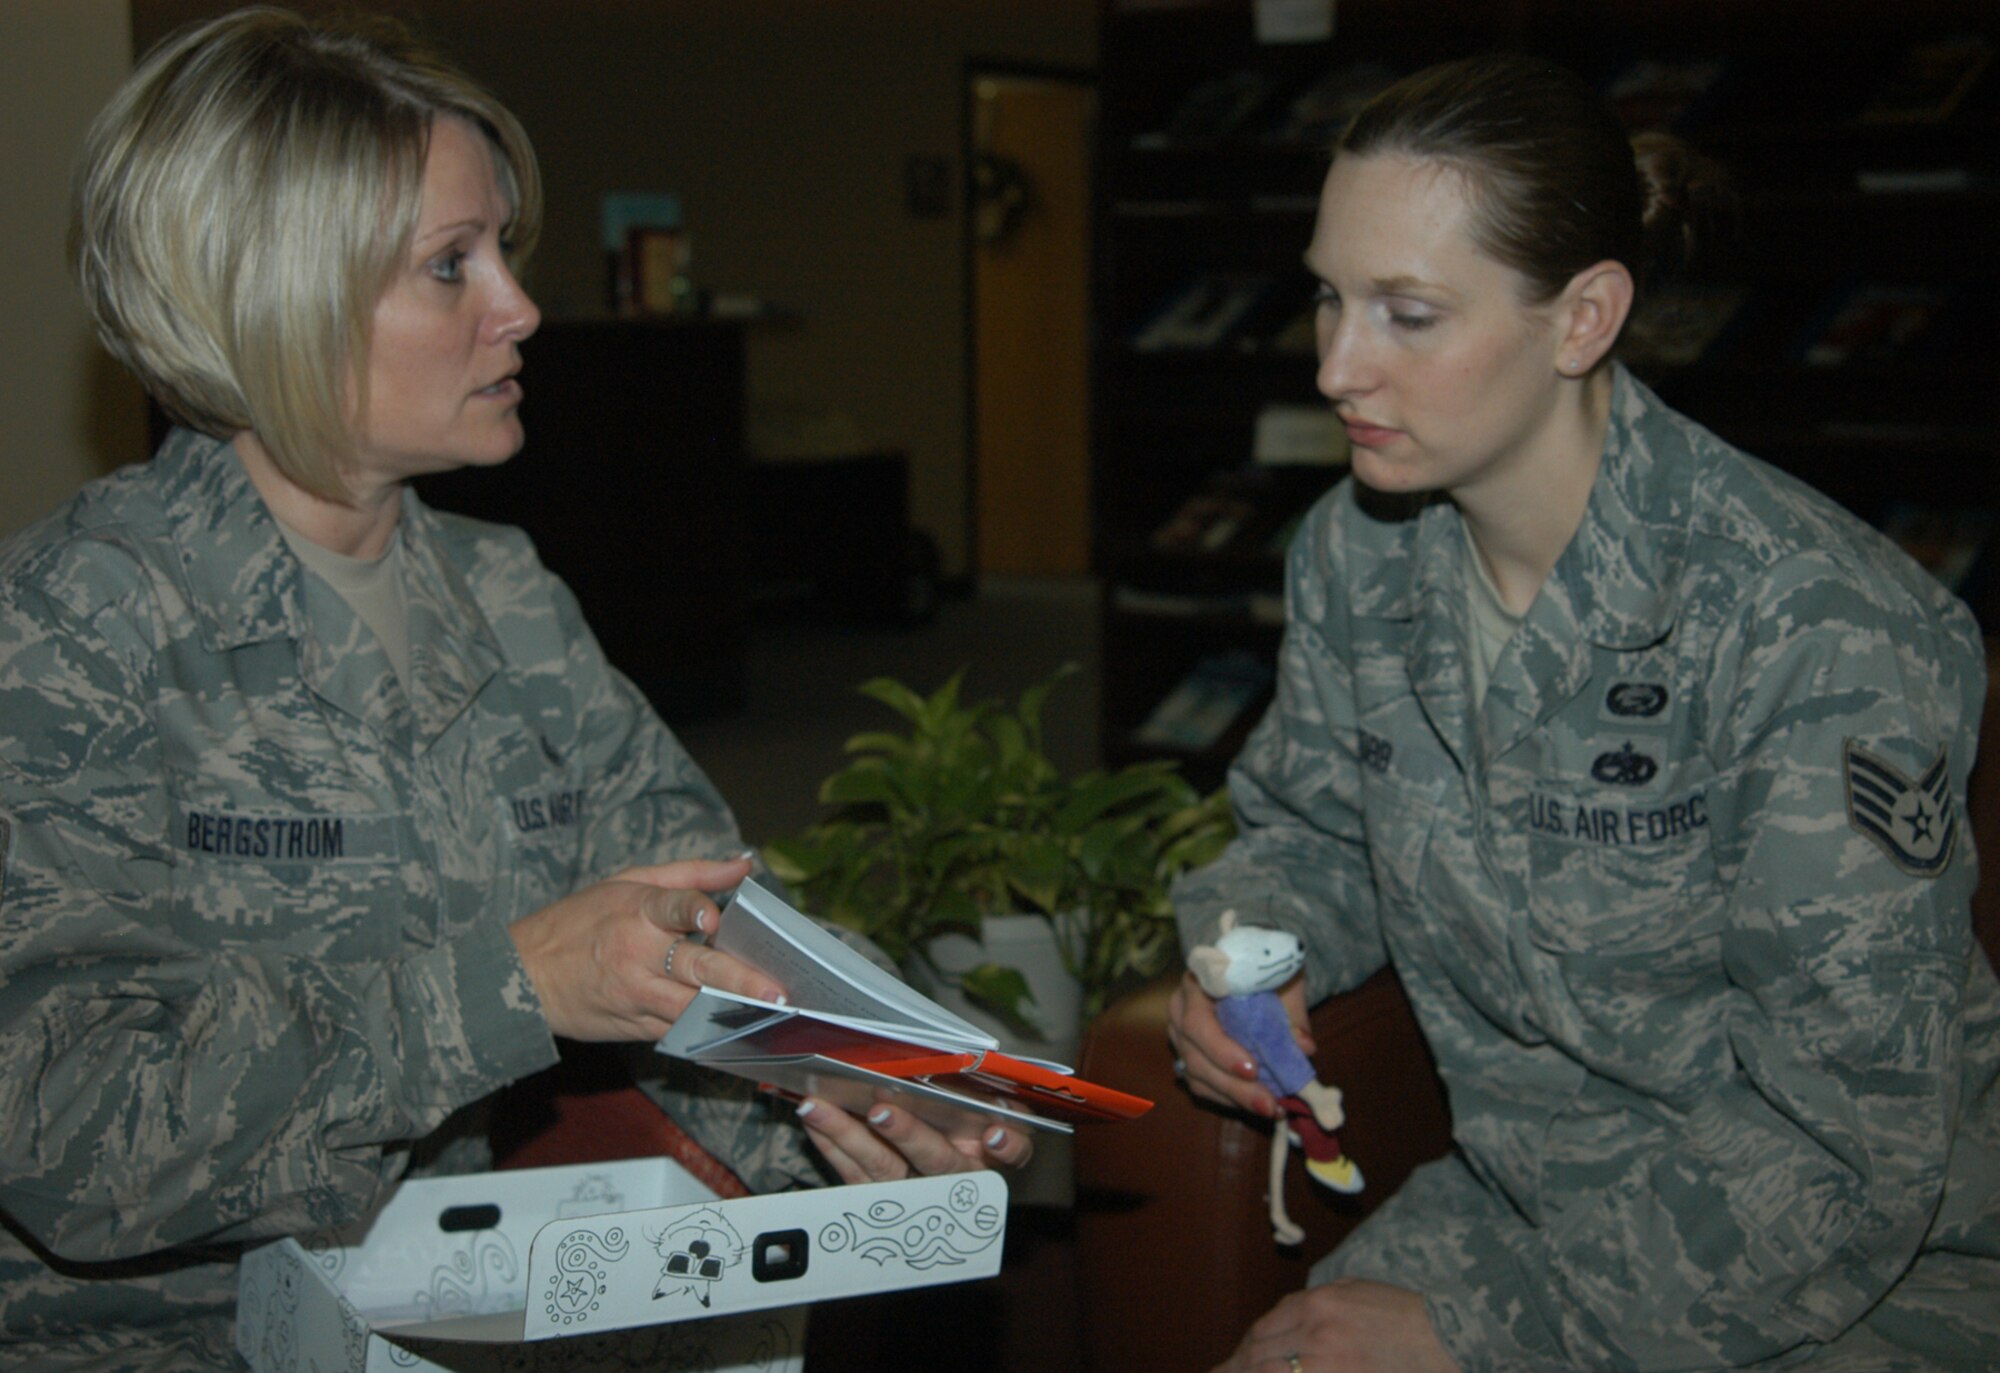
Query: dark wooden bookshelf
{"points": [[1833, 199]]}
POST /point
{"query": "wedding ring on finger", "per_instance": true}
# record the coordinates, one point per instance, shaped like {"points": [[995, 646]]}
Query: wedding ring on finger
{"points": [[671, 950]]}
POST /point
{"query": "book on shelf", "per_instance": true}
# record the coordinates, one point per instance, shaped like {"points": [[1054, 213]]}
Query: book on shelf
{"points": [[1946, 541], [1202, 313], [1655, 93], [1294, 21], [1178, 605], [1212, 110], [1206, 522], [1288, 435], [1929, 81], [1203, 705], [1872, 322], [1918, 180], [850, 1032]]}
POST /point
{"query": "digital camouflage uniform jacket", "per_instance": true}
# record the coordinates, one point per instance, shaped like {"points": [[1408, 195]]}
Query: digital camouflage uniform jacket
{"points": [[1682, 911], [254, 892]]}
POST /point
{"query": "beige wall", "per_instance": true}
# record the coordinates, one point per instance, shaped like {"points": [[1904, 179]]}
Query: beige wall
{"points": [[784, 125], [69, 414]]}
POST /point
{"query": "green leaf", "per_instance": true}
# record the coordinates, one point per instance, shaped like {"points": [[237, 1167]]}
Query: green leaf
{"points": [[795, 861], [1101, 793], [1001, 990], [1010, 743], [952, 909], [876, 742], [941, 713], [1029, 710], [864, 783], [896, 696]]}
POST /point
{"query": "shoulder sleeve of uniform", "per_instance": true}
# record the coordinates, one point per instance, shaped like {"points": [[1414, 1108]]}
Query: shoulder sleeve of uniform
{"points": [[1837, 697], [1299, 860]]}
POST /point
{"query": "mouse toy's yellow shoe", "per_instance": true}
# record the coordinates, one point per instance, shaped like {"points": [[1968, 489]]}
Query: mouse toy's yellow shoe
{"points": [[1340, 1174]]}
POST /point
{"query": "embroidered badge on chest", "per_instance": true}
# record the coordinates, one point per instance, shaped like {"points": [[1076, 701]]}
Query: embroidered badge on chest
{"points": [[1375, 751], [1624, 767], [1636, 701], [1914, 822]]}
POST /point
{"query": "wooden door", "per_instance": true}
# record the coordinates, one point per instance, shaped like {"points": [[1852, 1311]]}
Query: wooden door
{"points": [[1030, 227]]}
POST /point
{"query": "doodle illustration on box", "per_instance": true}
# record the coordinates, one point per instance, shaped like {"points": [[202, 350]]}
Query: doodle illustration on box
{"points": [[930, 1237], [578, 1283], [699, 1249], [327, 1254], [270, 1312], [477, 1280], [354, 1334], [595, 1195]]}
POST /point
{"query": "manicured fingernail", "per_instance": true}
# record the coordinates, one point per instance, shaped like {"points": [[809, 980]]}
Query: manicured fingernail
{"points": [[1246, 1069], [879, 1116], [701, 922], [996, 1139], [747, 855], [777, 999], [807, 1107]]}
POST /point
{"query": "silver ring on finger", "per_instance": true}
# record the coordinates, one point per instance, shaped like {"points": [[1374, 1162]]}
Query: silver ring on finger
{"points": [[669, 969], [1293, 1363]]}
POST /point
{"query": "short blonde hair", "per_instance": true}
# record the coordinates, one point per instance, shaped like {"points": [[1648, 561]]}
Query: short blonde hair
{"points": [[241, 204]]}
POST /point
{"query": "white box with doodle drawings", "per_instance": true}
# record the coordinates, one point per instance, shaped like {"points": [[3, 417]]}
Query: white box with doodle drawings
{"points": [[630, 1265]]}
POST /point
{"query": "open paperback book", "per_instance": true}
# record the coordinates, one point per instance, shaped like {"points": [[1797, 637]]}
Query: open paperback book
{"points": [[850, 1032]]}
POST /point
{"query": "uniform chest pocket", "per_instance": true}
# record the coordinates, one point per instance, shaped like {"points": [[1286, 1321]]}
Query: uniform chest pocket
{"points": [[322, 884], [542, 829], [1612, 875], [1399, 816]]}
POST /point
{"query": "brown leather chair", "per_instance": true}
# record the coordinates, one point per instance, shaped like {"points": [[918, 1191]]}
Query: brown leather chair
{"points": [[1174, 1252]]}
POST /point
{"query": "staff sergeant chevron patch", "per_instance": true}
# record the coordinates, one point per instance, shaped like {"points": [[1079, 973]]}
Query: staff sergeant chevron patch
{"points": [[1915, 823]]}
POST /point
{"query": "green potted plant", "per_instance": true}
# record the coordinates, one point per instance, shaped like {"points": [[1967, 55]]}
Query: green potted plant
{"points": [[963, 817]]}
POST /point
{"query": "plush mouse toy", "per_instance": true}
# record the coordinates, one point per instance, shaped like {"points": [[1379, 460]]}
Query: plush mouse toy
{"points": [[1242, 971]]}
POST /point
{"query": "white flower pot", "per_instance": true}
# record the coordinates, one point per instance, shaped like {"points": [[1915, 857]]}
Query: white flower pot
{"points": [[1026, 942]]}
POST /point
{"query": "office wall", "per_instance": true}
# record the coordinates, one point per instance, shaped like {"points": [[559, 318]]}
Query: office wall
{"points": [[69, 414], [785, 126]]}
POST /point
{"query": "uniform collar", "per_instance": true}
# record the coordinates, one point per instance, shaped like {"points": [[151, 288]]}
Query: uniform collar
{"points": [[453, 648], [1618, 580], [247, 587], [1621, 574], [243, 582]]}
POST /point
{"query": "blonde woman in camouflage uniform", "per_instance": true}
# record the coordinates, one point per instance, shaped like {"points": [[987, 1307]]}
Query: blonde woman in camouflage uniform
{"points": [[321, 813], [1644, 766]]}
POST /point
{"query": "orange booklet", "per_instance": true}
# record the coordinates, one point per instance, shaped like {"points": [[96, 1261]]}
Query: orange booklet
{"points": [[852, 1033]]}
